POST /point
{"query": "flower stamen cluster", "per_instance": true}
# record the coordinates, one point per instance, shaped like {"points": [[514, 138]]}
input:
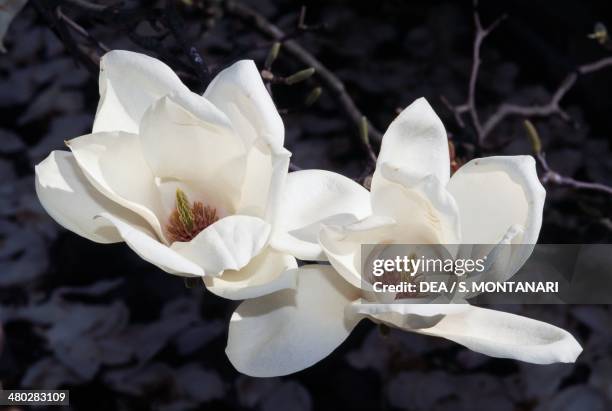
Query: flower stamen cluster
{"points": [[189, 219]]}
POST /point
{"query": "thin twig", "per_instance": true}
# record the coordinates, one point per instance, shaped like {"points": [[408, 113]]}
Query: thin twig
{"points": [[60, 28], [329, 79], [470, 106], [551, 176], [550, 108], [79, 29], [301, 27], [456, 110], [505, 110], [87, 5], [481, 34], [302, 19]]}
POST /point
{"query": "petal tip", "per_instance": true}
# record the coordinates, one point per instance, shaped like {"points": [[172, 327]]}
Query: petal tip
{"points": [[572, 352]]}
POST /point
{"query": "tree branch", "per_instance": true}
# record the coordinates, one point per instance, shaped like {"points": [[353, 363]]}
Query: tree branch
{"points": [[550, 108], [89, 6], [329, 79], [551, 176], [79, 29], [481, 34]]}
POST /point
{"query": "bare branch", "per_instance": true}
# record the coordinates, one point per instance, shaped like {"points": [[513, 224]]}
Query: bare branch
{"points": [[550, 108], [481, 34], [87, 5], [551, 176], [79, 29], [470, 105], [329, 79], [457, 110], [596, 65]]}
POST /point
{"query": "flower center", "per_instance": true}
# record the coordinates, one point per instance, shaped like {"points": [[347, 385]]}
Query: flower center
{"points": [[189, 219]]}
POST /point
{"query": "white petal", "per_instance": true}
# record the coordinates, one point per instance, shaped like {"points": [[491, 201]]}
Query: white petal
{"points": [[268, 272], [502, 260], [342, 244], [505, 335], [72, 201], [288, 331], [405, 197], [239, 92], [151, 250], [312, 197], [495, 193], [129, 83], [416, 140], [114, 164], [405, 316], [183, 140], [266, 172], [497, 196], [228, 244]]}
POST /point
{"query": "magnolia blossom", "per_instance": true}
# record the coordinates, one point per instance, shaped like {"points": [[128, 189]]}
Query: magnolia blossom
{"points": [[413, 200], [191, 183]]}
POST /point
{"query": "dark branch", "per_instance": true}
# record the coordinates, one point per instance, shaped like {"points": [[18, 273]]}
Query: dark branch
{"points": [[87, 5], [505, 110], [329, 79], [79, 29], [551, 176], [481, 35], [550, 108]]}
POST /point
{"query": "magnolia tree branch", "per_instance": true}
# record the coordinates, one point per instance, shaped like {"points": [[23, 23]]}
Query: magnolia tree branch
{"points": [[550, 108], [329, 79], [124, 19], [62, 26], [87, 5], [505, 110], [551, 176], [470, 105], [79, 29]]}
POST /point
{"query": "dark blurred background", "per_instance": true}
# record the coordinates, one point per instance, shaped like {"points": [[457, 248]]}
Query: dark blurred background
{"points": [[121, 335]]}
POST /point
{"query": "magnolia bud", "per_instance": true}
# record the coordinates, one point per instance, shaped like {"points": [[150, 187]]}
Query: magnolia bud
{"points": [[534, 137], [272, 55], [300, 76], [363, 130], [600, 33], [313, 96]]}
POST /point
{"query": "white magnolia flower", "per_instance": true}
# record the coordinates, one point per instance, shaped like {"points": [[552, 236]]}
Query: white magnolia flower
{"points": [[413, 200], [191, 183]]}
